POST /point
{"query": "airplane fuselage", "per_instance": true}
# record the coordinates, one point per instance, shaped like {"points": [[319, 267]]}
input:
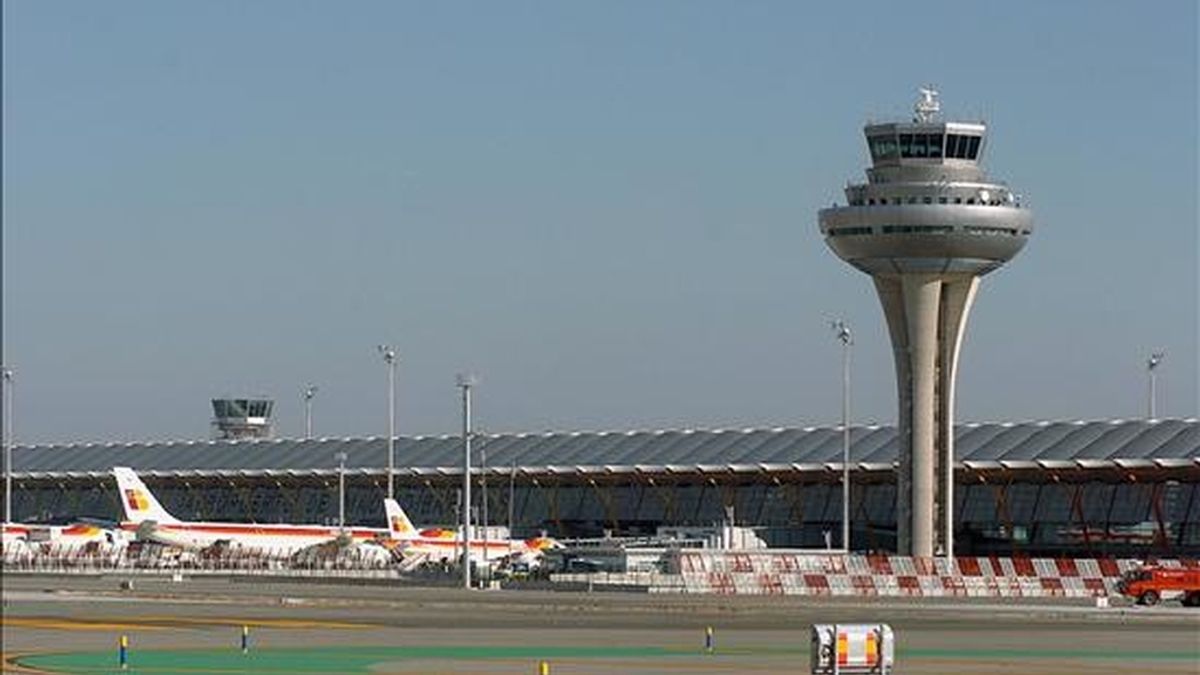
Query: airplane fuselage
{"points": [[440, 543], [452, 548], [200, 535]]}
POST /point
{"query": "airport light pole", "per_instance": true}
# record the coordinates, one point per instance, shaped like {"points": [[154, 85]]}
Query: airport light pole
{"points": [[389, 357], [1152, 364], [8, 441], [512, 493], [341, 458], [309, 392], [466, 382], [842, 330], [483, 497]]}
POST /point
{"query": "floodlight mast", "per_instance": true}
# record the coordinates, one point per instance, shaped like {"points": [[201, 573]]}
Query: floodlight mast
{"points": [[1152, 364], [466, 382], [7, 433], [309, 393], [389, 357], [483, 502], [341, 458], [512, 493], [842, 330]]}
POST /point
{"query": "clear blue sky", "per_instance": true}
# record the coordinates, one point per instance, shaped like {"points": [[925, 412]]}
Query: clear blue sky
{"points": [[607, 210]]}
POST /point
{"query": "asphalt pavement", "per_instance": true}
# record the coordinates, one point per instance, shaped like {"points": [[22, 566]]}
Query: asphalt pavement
{"points": [[194, 626]]}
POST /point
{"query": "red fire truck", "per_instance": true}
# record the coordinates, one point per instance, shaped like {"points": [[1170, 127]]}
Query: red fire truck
{"points": [[1148, 585]]}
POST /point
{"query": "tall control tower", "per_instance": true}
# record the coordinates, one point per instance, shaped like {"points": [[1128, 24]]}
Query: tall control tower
{"points": [[926, 225]]}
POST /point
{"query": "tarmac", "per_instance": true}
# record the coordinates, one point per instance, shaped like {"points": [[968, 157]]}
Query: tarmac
{"points": [[72, 624]]}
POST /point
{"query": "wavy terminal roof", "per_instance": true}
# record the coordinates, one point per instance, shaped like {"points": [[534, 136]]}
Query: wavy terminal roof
{"points": [[1164, 443]]}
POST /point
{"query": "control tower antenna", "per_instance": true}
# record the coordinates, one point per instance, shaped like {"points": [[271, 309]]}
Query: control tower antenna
{"points": [[927, 107], [926, 225]]}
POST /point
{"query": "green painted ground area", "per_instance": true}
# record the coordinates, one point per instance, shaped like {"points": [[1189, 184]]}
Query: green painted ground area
{"points": [[1046, 654], [315, 660], [362, 659]]}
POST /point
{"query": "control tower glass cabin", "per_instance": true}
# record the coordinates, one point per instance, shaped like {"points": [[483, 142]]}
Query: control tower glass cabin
{"points": [[926, 225], [241, 418]]}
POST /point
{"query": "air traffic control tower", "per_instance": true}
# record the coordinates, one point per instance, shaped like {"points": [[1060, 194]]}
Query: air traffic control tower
{"points": [[237, 419], [926, 225]]}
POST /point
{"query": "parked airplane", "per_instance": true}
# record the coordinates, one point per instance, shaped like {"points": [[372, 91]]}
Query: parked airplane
{"points": [[438, 543], [13, 540], [14, 536], [147, 518], [68, 536], [75, 534]]}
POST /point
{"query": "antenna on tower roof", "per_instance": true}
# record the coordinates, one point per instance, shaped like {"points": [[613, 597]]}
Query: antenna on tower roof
{"points": [[928, 106]]}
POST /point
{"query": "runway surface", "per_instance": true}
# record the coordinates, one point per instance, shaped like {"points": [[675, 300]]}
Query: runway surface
{"points": [[71, 624]]}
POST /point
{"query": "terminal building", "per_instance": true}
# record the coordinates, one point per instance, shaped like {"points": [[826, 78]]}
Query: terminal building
{"points": [[1122, 488], [926, 225]]}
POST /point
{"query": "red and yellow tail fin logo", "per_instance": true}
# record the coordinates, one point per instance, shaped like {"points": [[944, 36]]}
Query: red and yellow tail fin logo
{"points": [[398, 525], [137, 500], [541, 544]]}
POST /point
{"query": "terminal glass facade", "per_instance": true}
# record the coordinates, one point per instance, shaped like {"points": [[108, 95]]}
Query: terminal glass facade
{"points": [[1003, 516]]}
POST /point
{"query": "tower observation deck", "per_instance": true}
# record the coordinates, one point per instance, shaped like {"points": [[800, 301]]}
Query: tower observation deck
{"points": [[241, 418], [926, 225]]}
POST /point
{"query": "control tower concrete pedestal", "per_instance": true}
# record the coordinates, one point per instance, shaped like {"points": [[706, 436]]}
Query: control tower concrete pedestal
{"points": [[926, 226]]}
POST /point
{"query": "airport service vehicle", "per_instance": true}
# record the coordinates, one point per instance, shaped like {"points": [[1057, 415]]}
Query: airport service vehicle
{"points": [[437, 543], [844, 649], [149, 521], [1148, 585]]}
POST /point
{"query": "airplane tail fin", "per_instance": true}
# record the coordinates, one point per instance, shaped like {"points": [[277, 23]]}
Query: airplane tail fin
{"points": [[399, 526], [137, 500], [543, 543]]}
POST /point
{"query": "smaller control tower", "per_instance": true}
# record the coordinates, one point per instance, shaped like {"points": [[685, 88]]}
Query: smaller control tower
{"points": [[241, 418], [926, 225]]}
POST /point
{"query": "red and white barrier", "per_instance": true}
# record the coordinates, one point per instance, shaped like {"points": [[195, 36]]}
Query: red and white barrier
{"points": [[764, 573]]}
